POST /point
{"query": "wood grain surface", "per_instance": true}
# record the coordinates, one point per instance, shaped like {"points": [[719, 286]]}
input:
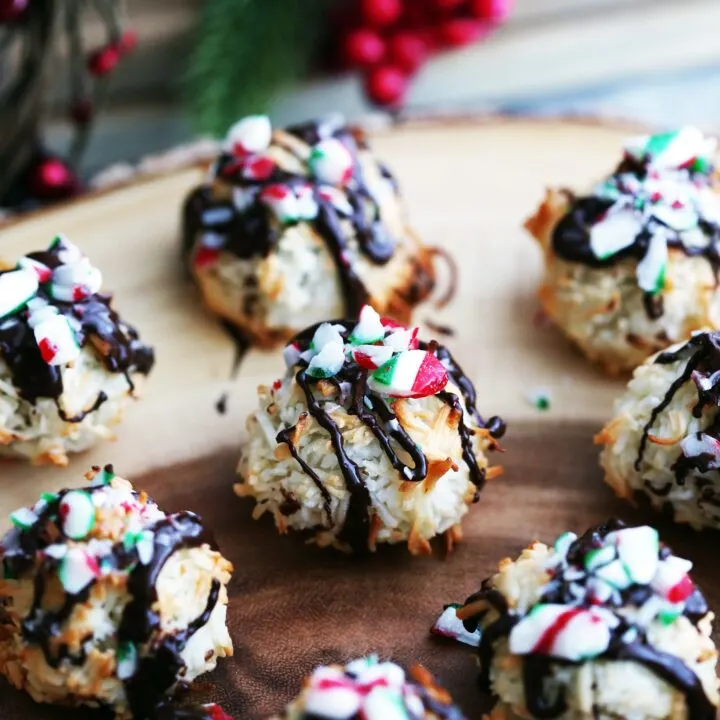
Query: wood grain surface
{"points": [[292, 606]]}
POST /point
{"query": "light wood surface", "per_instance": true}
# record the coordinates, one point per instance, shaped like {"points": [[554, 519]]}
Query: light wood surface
{"points": [[468, 187]]}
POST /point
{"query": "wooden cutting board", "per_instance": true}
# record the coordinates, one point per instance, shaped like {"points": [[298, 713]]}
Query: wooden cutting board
{"points": [[468, 186]]}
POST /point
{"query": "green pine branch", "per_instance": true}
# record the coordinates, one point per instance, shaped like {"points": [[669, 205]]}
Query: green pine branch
{"points": [[246, 52]]}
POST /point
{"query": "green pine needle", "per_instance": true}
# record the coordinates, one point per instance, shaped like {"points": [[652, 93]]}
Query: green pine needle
{"points": [[246, 52]]}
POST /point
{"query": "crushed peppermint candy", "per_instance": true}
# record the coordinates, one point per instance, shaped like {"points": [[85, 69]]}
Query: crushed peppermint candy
{"points": [[77, 514], [389, 352], [77, 570], [17, 287], [250, 135], [602, 590], [450, 626], [331, 162], [670, 202], [366, 688]]}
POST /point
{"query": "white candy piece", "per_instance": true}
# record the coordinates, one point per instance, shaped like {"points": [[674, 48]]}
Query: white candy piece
{"points": [[702, 444], [669, 572], [43, 272], [252, 134], [448, 625], [77, 570], [673, 149], [75, 281], [369, 328], [307, 207], [328, 361], [400, 339], [616, 231], [331, 162], [56, 340], [559, 631], [337, 198], [651, 269], [16, 288], [382, 703], [335, 704], [77, 514], [291, 355], [325, 333], [638, 551], [377, 355], [282, 202]]}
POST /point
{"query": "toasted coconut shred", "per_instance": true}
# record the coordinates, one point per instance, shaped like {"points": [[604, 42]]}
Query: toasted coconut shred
{"points": [[662, 443], [606, 625], [68, 362], [295, 226], [632, 266], [376, 453], [107, 601]]}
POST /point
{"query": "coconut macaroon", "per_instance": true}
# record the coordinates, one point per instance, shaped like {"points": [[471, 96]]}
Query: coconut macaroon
{"points": [[68, 362], [107, 601], [371, 437], [664, 439], [373, 690], [608, 625], [295, 226], [632, 267]]}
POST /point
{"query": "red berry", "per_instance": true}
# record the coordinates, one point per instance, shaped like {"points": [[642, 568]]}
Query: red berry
{"points": [[51, 178], [128, 42], [496, 11], [364, 47], [381, 12], [386, 85], [82, 111], [104, 60], [463, 31], [12, 9], [408, 50]]}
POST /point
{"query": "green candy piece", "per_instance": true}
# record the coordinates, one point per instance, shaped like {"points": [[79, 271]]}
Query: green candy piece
{"points": [[24, 518], [658, 144]]}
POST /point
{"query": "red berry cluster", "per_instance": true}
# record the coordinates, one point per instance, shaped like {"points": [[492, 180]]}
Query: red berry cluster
{"points": [[104, 60], [390, 40]]}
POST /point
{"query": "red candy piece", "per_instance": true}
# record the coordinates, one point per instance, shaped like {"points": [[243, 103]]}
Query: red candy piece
{"points": [[217, 713], [259, 167], [386, 85], [408, 51], [205, 256], [381, 12], [682, 590], [48, 350], [364, 48], [79, 293]]}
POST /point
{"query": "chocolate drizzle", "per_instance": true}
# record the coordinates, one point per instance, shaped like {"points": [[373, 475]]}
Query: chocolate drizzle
{"points": [[96, 324], [376, 413], [702, 353], [544, 694], [157, 671], [252, 232], [571, 235]]}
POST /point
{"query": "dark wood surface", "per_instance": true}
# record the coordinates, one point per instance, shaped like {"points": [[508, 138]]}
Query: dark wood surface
{"points": [[293, 606]]}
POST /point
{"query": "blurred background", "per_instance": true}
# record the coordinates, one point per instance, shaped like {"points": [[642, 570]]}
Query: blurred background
{"points": [[190, 64]]}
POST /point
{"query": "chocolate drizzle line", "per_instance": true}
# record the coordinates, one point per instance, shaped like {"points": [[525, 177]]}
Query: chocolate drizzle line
{"points": [[702, 353], [571, 235], [252, 232], [377, 415], [117, 344], [156, 673], [538, 670]]}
